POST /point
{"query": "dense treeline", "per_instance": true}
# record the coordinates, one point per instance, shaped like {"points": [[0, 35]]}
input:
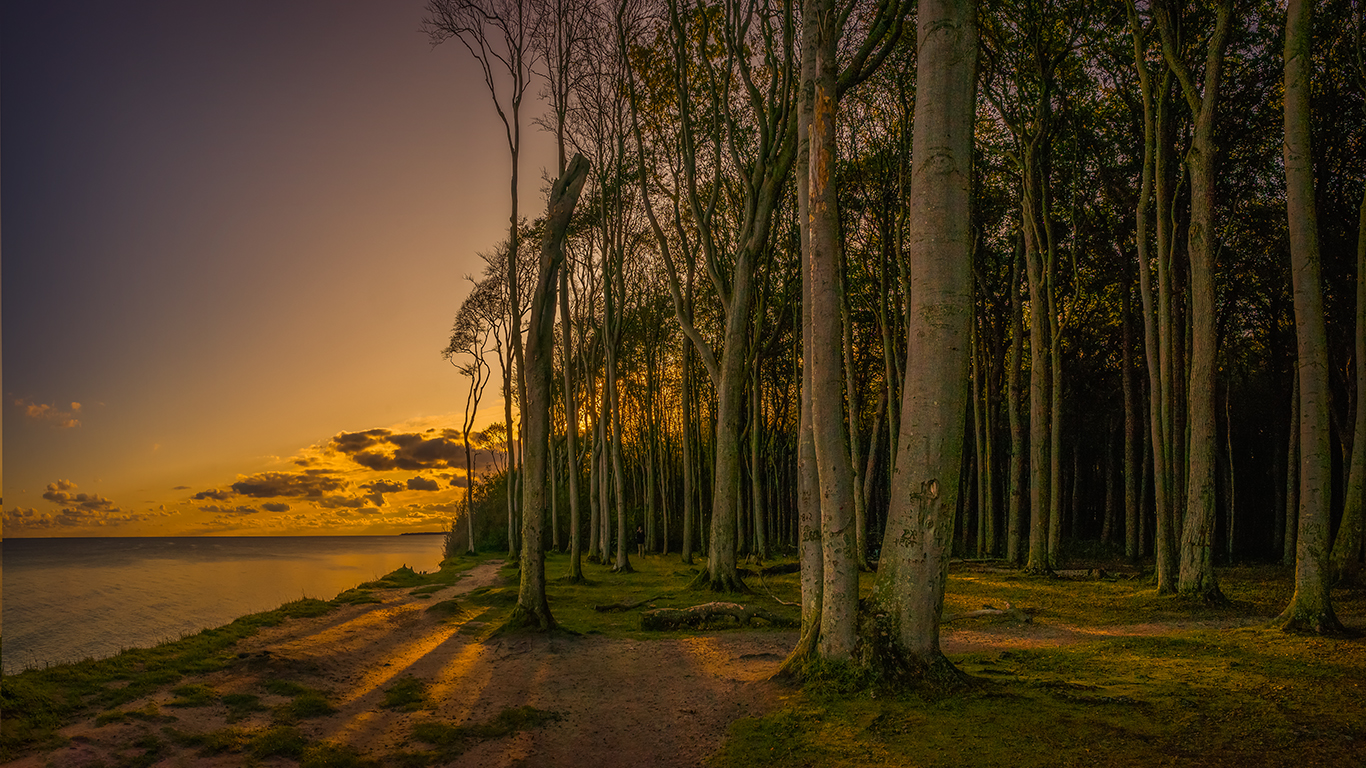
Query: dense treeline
{"points": [[1133, 344]]}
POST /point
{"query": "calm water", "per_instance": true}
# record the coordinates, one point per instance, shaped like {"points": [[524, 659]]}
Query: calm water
{"points": [[70, 599]]}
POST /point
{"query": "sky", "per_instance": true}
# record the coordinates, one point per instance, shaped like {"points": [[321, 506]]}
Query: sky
{"points": [[235, 237]]}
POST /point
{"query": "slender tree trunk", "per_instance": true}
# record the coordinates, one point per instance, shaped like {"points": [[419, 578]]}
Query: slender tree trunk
{"points": [[908, 596], [839, 603], [1016, 493], [1347, 547], [1292, 477], [1131, 479], [1196, 576], [689, 507], [808, 475], [533, 611], [571, 434], [1040, 443], [1311, 607]]}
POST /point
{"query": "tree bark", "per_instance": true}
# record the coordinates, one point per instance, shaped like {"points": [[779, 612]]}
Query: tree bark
{"points": [[532, 610], [839, 603], [908, 597], [1311, 607], [1347, 546]]}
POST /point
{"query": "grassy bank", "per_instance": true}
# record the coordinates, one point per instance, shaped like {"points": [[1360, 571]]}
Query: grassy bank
{"points": [[39, 702]]}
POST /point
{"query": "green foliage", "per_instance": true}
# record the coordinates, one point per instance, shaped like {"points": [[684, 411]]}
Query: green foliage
{"points": [[210, 743], [281, 687], [355, 596]]}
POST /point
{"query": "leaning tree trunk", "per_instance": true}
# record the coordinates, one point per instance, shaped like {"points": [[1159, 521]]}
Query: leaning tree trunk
{"points": [[902, 638], [1311, 608], [532, 610]]}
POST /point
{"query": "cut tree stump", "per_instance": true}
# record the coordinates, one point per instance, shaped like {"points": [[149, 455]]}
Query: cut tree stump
{"points": [[697, 615]]}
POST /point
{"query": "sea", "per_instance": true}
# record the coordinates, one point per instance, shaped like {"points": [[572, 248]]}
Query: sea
{"points": [[70, 599]]}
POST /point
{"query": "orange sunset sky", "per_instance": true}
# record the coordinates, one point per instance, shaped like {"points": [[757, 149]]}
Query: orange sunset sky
{"points": [[235, 237]]}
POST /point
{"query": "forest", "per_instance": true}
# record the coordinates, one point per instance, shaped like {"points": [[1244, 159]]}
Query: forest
{"points": [[879, 283]]}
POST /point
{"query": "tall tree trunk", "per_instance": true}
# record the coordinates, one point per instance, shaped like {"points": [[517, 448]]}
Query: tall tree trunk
{"points": [[1196, 576], [1040, 421], [1311, 607], [1016, 493], [1132, 510], [1347, 547], [908, 596], [532, 610], [839, 602], [571, 434], [689, 493], [1292, 477]]}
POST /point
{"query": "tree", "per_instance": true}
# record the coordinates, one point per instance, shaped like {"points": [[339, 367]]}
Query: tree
{"points": [[1197, 539], [498, 33], [1311, 607], [908, 596], [470, 336], [532, 609]]}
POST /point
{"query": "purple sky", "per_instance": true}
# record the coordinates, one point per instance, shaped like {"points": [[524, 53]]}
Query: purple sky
{"points": [[233, 230]]}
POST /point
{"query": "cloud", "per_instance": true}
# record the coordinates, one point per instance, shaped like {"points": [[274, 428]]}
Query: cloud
{"points": [[267, 485], [57, 417], [59, 493], [339, 501], [423, 484], [214, 494], [181, 488], [272, 506], [410, 451], [229, 511]]}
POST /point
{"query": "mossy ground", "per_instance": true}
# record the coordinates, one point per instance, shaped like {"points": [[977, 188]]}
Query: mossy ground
{"points": [[1245, 696], [1201, 685]]}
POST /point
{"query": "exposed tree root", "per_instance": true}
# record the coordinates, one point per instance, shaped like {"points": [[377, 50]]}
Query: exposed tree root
{"points": [[524, 619], [1303, 622], [697, 615], [726, 583], [793, 668]]}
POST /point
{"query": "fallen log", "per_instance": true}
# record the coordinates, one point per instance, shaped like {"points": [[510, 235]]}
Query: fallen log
{"points": [[1009, 611], [619, 607], [697, 615]]}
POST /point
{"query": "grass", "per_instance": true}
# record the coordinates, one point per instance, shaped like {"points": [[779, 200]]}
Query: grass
{"points": [[39, 702], [1245, 697], [451, 741], [408, 694]]}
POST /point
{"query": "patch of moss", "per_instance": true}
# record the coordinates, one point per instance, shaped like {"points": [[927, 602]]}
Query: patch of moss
{"points": [[428, 590], [444, 608], [327, 754], [197, 695], [282, 687], [453, 740], [408, 694], [212, 742], [306, 705], [241, 705], [284, 741], [355, 596]]}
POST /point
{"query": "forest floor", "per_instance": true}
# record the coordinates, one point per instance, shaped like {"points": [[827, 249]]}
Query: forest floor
{"points": [[407, 672]]}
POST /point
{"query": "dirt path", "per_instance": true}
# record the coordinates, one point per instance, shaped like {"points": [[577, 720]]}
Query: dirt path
{"points": [[619, 702]]}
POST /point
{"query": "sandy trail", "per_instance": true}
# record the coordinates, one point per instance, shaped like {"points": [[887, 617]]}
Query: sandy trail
{"points": [[620, 702]]}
